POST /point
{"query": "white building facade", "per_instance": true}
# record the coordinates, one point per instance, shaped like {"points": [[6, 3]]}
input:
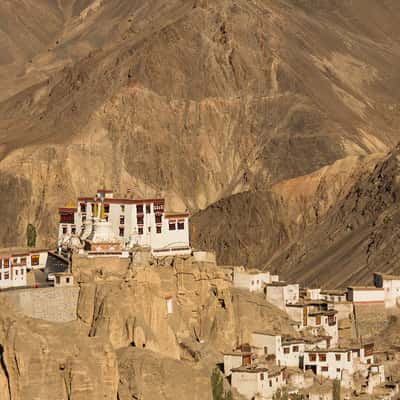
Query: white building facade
{"points": [[366, 295], [281, 294], [253, 281], [134, 222], [391, 287]]}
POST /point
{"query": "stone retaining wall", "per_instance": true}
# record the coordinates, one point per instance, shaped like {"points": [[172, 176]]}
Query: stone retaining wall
{"points": [[56, 304]]}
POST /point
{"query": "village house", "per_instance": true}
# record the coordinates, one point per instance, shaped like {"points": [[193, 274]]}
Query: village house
{"points": [[252, 280], [16, 262], [315, 316], [281, 294], [391, 286], [236, 359], [366, 295], [288, 351], [257, 382], [62, 279], [333, 295], [128, 223]]}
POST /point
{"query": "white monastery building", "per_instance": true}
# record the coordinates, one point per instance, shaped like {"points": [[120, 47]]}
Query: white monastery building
{"points": [[281, 294], [105, 224]]}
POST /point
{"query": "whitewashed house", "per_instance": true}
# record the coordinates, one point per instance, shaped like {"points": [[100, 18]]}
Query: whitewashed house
{"points": [[366, 295], [281, 294], [134, 222], [391, 286], [251, 280], [257, 382], [236, 359]]}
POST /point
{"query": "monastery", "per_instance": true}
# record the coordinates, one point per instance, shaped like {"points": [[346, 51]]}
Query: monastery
{"points": [[105, 225]]}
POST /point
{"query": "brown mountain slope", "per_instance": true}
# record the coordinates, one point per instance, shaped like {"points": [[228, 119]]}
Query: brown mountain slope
{"points": [[358, 236], [199, 100]]}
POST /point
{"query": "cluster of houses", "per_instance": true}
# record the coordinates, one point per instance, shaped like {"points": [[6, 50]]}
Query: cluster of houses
{"points": [[271, 361]]}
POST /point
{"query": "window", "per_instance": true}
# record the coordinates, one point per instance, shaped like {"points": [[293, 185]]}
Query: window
{"points": [[6, 263], [139, 208], [0, 276], [22, 272], [23, 260], [295, 349], [121, 220], [338, 357], [158, 229], [322, 357], [106, 208], [147, 208], [149, 229], [172, 226], [64, 230], [324, 369], [73, 230], [348, 356], [16, 272], [312, 357], [67, 280], [270, 383], [140, 219], [15, 261], [67, 218], [122, 208], [286, 350], [57, 280], [83, 218], [121, 231], [277, 379], [265, 350], [181, 225], [158, 219], [35, 260], [158, 207], [261, 376], [6, 275], [140, 230], [83, 207], [338, 370], [318, 320]]}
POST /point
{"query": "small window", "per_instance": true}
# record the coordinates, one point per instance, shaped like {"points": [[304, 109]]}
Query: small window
{"points": [[64, 230], [147, 208], [83, 218], [140, 230], [265, 350], [181, 225], [324, 369], [140, 220], [312, 357], [318, 320], [57, 280], [83, 207], [22, 272], [35, 260], [67, 279], [338, 370], [338, 357], [261, 376], [172, 226], [158, 219], [270, 383], [6, 263], [6, 275], [139, 208], [121, 231], [348, 356], [106, 208], [286, 350], [149, 229], [122, 220], [122, 208], [23, 261], [73, 230], [322, 357], [158, 229], [295, 349], [16, 272]]}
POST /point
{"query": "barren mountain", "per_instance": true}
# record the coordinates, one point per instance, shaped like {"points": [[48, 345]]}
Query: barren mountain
{"points": [[200, 101]]}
